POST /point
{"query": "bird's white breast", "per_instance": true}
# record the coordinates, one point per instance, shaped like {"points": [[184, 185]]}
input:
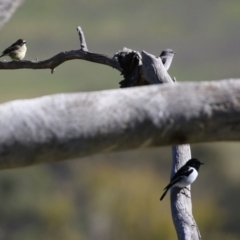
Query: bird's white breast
{"points": [[22, 52], [187, 180], [19, 54]]}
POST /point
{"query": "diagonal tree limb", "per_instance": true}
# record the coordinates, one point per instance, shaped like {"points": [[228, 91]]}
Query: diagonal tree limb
{"points": [[60, 58]]}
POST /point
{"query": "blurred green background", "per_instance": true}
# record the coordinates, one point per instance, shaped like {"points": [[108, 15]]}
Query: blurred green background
{"points": [[116, 196]]}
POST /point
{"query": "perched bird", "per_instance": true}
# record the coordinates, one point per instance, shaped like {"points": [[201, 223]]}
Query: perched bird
{"points": [[185, 176], [16, 51], [167, 57]]}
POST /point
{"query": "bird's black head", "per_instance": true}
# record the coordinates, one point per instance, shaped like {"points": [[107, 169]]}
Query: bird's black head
{"points": [[193, 162], [20, 42], [167, 52]]}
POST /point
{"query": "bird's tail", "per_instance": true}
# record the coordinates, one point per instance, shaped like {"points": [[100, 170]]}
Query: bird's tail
{"points": [[165, 192], [1, 55]]}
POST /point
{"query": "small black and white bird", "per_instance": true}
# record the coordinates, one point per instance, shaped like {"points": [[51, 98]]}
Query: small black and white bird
{"points": [[167, 57], [16, 51], [185, 176]]}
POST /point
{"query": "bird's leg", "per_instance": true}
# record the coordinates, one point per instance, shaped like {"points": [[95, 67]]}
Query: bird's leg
{"points": [[184, 193], [187, 188]]}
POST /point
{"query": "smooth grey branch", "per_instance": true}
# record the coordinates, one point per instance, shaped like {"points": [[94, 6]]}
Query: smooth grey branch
{"points": [[67, 126]]}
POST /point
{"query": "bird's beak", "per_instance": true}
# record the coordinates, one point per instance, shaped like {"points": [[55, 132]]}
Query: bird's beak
{"points": [[174, 53], [202, 163]]}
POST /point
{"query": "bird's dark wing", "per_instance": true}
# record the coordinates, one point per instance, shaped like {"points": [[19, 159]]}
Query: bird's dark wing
{"points": [[182, 172], [12, 48]]}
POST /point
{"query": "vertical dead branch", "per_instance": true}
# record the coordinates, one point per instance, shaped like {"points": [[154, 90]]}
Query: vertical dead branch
{"points": [[181, 204]]}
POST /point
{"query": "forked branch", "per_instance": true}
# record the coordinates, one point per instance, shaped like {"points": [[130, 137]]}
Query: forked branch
{"points": [[62, 57]]}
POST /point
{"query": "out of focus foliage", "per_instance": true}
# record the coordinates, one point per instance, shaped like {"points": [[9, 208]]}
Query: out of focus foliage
{"points": [[116, 196]]}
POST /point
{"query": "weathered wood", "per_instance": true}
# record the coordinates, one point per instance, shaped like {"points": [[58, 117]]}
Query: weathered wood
{"points": [[153, 69], [67, 126], [181, 205]]}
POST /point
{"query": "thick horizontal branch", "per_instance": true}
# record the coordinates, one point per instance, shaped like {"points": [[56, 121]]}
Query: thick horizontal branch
{"points": [[60, 58], [67, 126]]}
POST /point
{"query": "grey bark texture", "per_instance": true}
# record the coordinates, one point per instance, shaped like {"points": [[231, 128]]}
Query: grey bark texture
{"points": [[153, 69], [65, 126]]}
